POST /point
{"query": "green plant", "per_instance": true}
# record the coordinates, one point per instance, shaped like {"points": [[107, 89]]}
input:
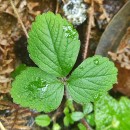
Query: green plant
{"points": [[53, 45], [43, 120], [112, 114], [72, 116], [81, 126]]}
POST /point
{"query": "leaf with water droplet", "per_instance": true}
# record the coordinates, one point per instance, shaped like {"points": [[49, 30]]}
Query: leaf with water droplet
{"points": [[53, 44], [112, 114], [37, 90], [69, 32], [96, 61], [94, 76]]}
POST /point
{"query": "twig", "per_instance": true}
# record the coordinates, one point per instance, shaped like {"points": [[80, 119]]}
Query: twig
{"points": [[91, 12], [57, 114], [85, 123], [64, 2], [16, 12], [57, 7], [2, 127]]}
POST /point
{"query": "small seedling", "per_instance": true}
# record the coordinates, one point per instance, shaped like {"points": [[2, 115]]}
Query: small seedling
{"points": [[53, 45]]}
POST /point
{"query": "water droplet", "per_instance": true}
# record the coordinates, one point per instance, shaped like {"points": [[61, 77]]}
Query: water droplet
{"points": [[115, 123], [81, 67], [71, 65], [44, 88], [37, 87], [96, 61], [97, 96], [69, 32]]}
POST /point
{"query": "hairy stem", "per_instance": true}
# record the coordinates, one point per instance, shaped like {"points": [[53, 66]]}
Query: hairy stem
{"points": [[91, 12]]}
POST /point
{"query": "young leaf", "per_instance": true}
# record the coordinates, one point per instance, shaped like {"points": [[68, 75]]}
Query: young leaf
{"points": [[53, 44], [91, 119], [56, 126], [68, 120], [95, 75], [81, 126], [87, 108], [66, 111], [76, 116], [43, 120], [69, 104], [38, 90], [111, 114]]}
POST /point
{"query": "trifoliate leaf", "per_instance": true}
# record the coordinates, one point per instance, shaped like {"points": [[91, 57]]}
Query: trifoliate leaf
{"points": [[43, 120], [53, 44], [95, 75], [111, 114], [77, 115], [38, 90]]}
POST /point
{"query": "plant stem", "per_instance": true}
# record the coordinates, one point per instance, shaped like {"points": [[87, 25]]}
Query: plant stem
{"points": [[85, 123], [16, 12], [57, 7], [90, 13]]}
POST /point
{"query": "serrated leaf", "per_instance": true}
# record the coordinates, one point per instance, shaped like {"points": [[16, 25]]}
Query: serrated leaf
{"points": [[111, 114], [43, 120], [77, 115], [94, 76], [53, 44], [38, 90]]}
